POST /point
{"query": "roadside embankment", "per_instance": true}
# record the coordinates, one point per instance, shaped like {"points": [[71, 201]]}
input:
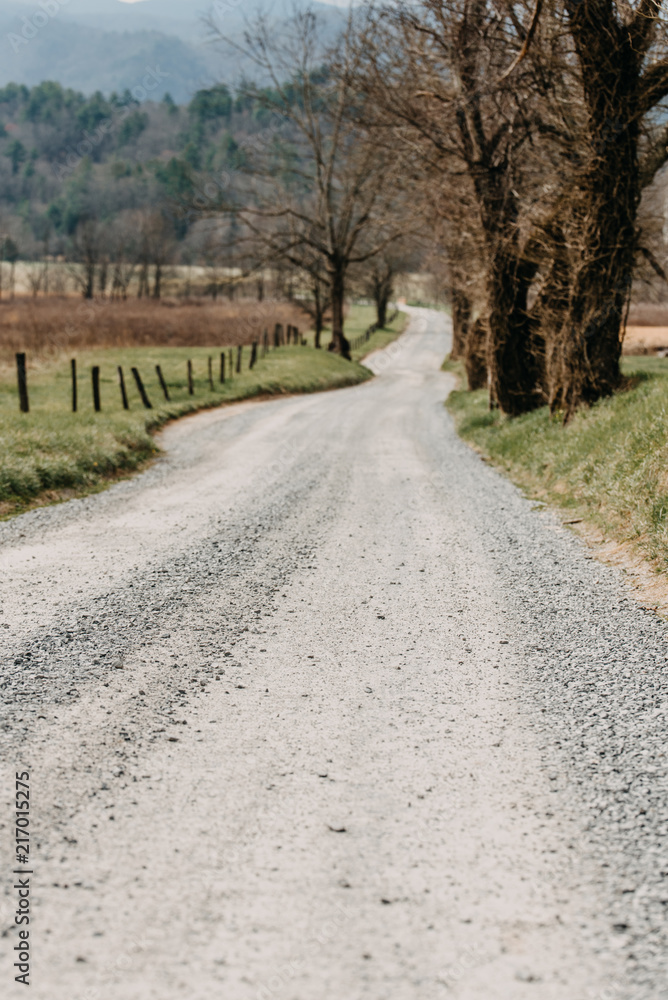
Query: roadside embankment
{"points": [[608, 468]]}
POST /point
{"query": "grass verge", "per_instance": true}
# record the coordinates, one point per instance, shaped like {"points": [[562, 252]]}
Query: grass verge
{"points": [[609, 466]]}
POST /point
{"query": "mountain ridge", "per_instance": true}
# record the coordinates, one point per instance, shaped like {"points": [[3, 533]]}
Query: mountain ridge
{"points": [[107, 45]]}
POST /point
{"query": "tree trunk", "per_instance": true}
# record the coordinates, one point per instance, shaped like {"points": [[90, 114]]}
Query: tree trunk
{"points": [[515, 349], [143, 280], [461, 314], [89, 287], [338, 343], [381, 309], [475, 356], [157, 281], [382, 282], [103, 277], [515, 353], [319, 313], [603, 212]]}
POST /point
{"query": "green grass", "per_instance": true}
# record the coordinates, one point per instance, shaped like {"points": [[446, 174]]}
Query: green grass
{"points": [[51, 453], [609, 465], [360, 319]]}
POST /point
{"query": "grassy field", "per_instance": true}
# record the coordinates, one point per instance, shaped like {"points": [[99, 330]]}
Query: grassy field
{"points": [[609, 466], [360, 319], [52, 454]]}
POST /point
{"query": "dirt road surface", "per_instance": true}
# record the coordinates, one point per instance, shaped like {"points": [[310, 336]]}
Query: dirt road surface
{"points": [[321, 708]]}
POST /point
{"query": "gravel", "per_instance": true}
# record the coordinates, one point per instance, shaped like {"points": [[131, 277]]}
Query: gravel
{"points": [[320, 705]]}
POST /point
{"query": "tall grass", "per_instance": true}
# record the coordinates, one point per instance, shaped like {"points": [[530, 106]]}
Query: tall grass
{"points": [[46, 327]]}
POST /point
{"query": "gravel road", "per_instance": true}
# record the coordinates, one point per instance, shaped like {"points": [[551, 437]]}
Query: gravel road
{"points": [[319, 707]]}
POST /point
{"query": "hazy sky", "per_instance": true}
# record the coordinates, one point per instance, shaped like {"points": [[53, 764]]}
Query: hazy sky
{"points": [[335, 3]]}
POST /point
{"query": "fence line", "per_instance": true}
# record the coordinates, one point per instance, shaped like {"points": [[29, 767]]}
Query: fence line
{"points": [[259, 348]]}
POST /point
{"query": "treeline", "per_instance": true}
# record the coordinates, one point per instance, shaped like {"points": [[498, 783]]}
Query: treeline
{"points": [[66, 159], [121, 190]]}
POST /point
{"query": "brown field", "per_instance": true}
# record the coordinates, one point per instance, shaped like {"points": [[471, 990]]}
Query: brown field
{"points": [[646, 329], [645, 340], [52, 325]]}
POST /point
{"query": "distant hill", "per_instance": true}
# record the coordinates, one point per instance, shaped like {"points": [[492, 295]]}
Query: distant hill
{"points": [[107, 45]]}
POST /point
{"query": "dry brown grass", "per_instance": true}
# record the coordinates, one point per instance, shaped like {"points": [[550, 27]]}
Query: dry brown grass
{"points": [[646, 329], [645, 340], [49, 326]]}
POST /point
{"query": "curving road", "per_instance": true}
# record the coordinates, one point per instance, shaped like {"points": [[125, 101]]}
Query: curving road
{"points": [[321, 708]]}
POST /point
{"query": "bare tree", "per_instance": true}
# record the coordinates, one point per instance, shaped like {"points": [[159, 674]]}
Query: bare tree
{"points": [[86, 245], [123, 249], [319, 192], [380, 285], [36, 274], [319, 303]]}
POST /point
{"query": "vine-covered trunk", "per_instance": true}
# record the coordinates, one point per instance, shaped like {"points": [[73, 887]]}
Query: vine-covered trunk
{"points": [[461, 315], [591, 338], [604, 208], [475, 356], [515, 352], [585, 366]]}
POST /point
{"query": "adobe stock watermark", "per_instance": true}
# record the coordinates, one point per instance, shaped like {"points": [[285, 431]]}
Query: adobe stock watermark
{"points": [[33, 23], [75, 154]]}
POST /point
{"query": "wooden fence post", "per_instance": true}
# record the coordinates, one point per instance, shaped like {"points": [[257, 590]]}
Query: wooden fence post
{"points": [[265, 343], [231, 360], [191, 387], [222, 367], [239, 350], [142, 392], [73, 367], [96, 388], [211, 374], [253, 357], [163, 384], [121, 383], [24, 405]]}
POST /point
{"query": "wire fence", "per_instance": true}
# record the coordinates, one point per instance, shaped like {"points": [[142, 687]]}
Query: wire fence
{"points": [[220, 370]]}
